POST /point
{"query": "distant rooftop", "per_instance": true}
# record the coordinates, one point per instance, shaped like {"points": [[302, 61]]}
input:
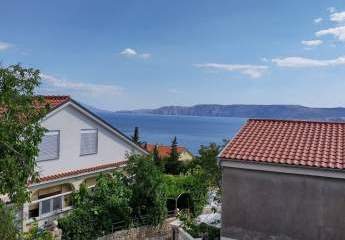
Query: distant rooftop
{"points": [[55, 101], [163, 151], [301, 143]]}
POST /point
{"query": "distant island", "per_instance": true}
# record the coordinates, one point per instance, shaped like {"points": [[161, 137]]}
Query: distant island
{"points": [[250, 111]]}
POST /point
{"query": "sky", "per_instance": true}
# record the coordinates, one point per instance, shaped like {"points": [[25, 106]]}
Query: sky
{"points": [[121, 55]]}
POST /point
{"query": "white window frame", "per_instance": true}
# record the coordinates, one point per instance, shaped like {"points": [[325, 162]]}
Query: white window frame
{"points": [[86, 131], [52, 132]]}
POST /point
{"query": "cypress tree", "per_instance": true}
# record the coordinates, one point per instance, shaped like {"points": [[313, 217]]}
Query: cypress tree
{"points": [[135, 137], [174, 154]]}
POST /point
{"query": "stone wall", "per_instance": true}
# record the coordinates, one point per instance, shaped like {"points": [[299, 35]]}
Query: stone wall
{"points": [[163, 232]]}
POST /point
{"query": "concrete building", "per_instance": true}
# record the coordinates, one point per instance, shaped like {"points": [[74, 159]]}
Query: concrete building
{"points": [[284, 178], [77, 147]]}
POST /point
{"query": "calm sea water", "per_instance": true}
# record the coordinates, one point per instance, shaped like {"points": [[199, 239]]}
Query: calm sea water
{"points": [[190, 131]]}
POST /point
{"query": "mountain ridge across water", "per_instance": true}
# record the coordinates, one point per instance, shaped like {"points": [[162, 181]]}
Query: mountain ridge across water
{"points": [[249, 111]]}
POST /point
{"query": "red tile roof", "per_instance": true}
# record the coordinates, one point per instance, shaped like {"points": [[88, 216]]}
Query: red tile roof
{"points": [[301, 143], [52, 101], [163, 151], [80, 171], [55, 101]]}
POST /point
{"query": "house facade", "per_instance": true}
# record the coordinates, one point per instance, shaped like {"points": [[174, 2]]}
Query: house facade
{"points": [[76, 148], [284, 178]]}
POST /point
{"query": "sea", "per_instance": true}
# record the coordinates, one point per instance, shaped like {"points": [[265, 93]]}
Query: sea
{"points": [[190, 131]]}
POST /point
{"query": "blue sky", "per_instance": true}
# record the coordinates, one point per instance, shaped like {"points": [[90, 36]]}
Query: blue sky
{"points": [[142, 54]]}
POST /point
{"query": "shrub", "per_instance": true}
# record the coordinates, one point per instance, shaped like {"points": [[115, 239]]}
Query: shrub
{"points": [[207, 160], [148, 189], [192, 183], [36, 233], [97, 209], [196, 230], [8, 228]]}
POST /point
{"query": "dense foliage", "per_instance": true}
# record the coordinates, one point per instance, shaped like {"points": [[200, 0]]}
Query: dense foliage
{"points": [[148, 189], [156, 158], [198, 230], [208, 161], [171, 164], [8, 229], [192, 183], [98, 208], [20, 130], [122, 199], [36, 233]]}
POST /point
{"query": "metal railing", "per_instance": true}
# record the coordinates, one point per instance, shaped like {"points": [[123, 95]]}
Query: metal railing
{"points": [[51, 205], [136, 222]]}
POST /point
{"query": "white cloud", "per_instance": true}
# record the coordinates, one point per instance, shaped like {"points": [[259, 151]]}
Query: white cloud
{"points": [[331, 9], [337, 32], [253, 71], [55, 85], [301, 62], [318, 20], [131, 53], [338, 17], [5, 46], [312, 43]]}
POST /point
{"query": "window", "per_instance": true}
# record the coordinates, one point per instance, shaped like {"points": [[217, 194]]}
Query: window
{"points": [[49, 147], [88, 141]]}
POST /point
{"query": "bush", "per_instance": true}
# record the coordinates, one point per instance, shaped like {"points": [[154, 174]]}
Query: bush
{"points": [[97, 209], [36, 233], [196, 185], [198, 230], [135, 197], [193, 183], [148, 190], [8, 228], [207, 160]]}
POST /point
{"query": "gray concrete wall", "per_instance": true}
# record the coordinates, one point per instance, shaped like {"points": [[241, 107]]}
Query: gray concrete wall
{"points": [[297, 206]]}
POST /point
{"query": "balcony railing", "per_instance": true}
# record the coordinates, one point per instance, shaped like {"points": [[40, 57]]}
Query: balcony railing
{"points": [[50, 206]]}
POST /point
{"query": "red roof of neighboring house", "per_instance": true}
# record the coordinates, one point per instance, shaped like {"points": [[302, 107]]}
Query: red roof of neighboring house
{"points": [[163, 151], [301, 143], [79, 171], [52, 101], [55, 101]]}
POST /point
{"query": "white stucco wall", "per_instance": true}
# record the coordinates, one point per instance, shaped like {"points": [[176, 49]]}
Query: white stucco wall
{"points": [[70, 121]]}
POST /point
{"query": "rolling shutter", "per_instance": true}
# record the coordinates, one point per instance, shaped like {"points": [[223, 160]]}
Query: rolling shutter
{"points": [[49, 147], [88, 141]]}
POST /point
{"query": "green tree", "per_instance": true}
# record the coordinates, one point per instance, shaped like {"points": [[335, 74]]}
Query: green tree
{"points": [[148, 189], [136, 137], [208, 161], [20, 130], [36, 233], [156, 158], [196, 185], [172, 164], [174, 156], [96, 210], [8, 229]]}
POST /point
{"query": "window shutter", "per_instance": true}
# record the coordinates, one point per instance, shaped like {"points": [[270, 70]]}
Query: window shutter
{"points": [[88, 141], [49, 147]]}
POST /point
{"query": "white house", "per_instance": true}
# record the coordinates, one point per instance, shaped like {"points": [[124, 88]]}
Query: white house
{"points": [[76, 148]]}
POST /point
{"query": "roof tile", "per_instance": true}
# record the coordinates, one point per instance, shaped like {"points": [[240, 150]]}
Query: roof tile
{"points": [[303, 143]]}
